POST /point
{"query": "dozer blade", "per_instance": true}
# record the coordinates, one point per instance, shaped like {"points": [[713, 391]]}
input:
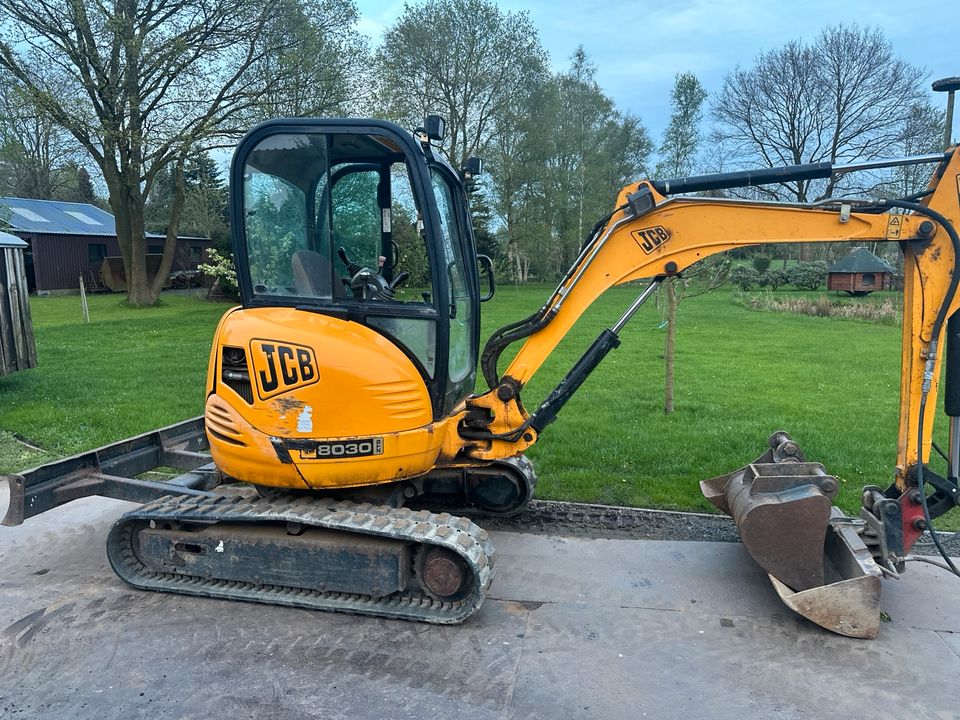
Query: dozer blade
{"points": [[812, 552]]}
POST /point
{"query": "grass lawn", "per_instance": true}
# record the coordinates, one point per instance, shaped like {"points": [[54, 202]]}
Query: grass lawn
{"points": [[741, 374], [129, 371]]}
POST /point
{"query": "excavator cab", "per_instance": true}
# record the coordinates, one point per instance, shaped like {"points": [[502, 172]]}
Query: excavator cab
{"points": [[362, 221], [358, 336]]}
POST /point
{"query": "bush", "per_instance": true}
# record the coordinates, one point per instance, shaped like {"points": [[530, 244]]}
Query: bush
{"points": [[807, 275], [221, 269], [773, 279], [744, 277], [761, 263]]}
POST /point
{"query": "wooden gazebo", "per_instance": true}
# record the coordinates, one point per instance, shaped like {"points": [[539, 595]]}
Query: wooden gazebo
{"points": [[17, 348], [859, 273]]}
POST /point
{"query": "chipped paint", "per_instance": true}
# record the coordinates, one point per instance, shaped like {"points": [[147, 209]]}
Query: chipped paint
{"points": [[286, 405], [305, 420]]}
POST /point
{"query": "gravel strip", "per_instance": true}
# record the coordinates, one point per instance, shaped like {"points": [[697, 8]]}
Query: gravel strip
{"points": [[549, 516], [587, 520]]}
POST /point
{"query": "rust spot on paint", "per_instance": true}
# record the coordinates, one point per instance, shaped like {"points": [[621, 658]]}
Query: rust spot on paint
{"points": [[287, 405]]}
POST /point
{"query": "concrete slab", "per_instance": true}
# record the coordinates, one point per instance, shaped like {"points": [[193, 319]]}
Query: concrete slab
{"points": [[573, 628], [656, 575], [632, 663], [716, 578]]}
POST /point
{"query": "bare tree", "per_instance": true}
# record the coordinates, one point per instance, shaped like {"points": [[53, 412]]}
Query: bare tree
{"points": [[921, 132], [138, 84], [840, 99]]}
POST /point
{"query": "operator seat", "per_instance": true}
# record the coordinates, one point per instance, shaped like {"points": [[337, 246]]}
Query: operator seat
{"points": [[312, 273]]}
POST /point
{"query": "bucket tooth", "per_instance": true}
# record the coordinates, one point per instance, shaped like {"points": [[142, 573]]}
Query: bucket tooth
{"points": [[849, 607], [814, 556]]}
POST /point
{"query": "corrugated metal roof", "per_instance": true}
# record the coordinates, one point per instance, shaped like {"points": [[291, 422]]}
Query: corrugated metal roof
{"points": [[860, 260], [62, 218], [53, 216], [8, 240]]}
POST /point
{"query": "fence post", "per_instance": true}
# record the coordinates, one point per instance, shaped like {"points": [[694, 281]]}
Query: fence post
{"points": [[83, 302]]}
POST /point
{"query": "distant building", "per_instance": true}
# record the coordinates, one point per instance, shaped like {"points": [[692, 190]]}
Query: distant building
{"points": [[67, 240], [859, 273]]}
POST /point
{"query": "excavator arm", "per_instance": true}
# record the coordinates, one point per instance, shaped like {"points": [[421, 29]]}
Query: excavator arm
{"points": [[824, 565], [652, 235]]}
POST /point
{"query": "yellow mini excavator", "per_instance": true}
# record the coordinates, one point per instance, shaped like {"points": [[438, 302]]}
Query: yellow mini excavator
{"points": [[342, 388]]}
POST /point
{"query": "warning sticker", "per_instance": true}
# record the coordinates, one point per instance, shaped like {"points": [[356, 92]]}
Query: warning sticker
{"points": [[893, 227]]}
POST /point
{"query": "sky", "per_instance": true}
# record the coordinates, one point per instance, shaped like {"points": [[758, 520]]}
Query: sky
{"points": [[639, 46]]}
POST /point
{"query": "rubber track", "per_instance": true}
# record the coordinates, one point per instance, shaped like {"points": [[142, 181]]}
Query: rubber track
{"points": [[421, 527]]}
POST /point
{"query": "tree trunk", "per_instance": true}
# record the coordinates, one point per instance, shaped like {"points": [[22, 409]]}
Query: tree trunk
{"points": [[513, 260], [669, 345], [127, 202], [138, 281], [173, 229]]}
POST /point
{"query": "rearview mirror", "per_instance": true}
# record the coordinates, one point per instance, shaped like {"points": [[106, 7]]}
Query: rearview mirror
{"points": [[435, 127], [472, 168]]}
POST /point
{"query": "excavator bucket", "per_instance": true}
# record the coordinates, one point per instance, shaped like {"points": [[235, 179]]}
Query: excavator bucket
{"points": [[812, 552]]}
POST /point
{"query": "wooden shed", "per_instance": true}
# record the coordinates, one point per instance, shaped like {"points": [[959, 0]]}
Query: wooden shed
{"points": [[859, 273], [17, 348], [68, 240]]}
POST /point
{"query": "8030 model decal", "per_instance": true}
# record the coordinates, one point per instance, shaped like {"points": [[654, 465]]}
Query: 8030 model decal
{"points": [[333, 449]]}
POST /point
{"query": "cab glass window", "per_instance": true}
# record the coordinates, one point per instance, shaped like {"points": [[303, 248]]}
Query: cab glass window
{"points": [[312, 199], [355, 218], [410, 251], [461, 309], [275, 213]]}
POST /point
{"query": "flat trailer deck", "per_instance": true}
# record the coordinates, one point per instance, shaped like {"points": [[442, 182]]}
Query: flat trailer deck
{"points": [[573, 627]]}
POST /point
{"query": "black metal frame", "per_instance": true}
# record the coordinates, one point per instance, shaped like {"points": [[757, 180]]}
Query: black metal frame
{"points": [[110, 471]]}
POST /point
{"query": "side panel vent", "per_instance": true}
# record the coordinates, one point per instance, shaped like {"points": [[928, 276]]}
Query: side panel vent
{"points": [[220, 423]]}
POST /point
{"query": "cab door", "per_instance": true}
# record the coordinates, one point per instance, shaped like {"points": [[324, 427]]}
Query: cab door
{"points": [[454, 239]]}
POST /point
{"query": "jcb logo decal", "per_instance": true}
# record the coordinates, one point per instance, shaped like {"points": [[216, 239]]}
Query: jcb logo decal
{"points": [[281, 367], [649, 239]]}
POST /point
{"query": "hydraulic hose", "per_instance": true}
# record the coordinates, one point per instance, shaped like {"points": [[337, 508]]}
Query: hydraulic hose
{"points": [[931, 358]]}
